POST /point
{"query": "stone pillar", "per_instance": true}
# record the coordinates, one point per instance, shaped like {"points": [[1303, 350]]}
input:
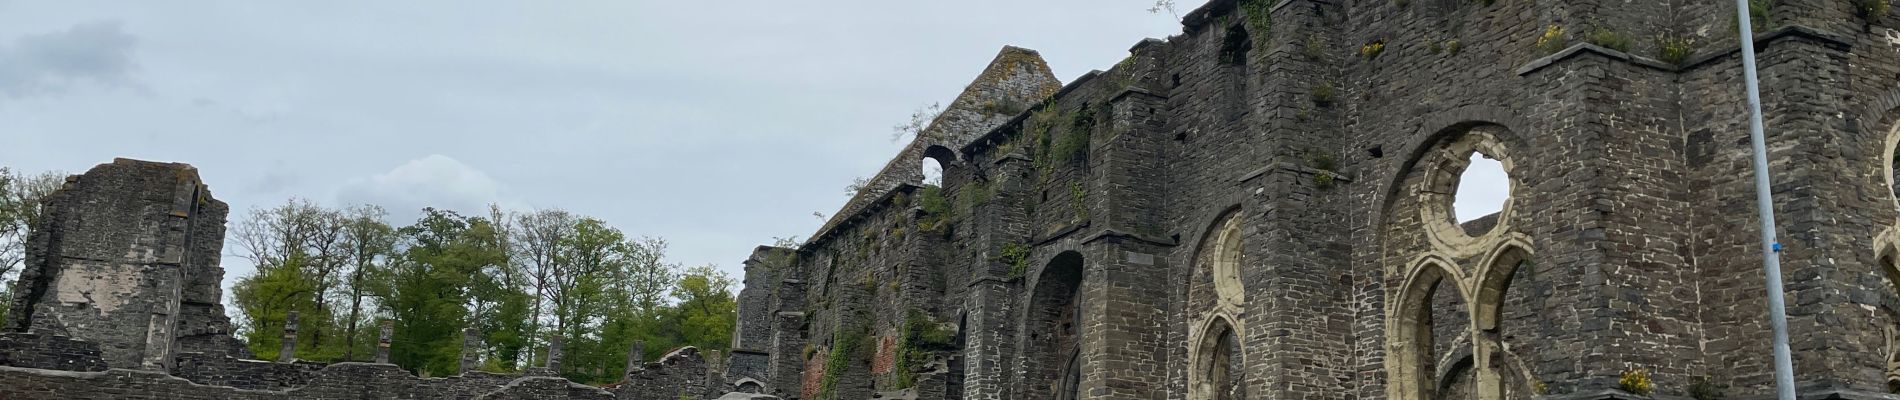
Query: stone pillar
{"points": [[288, 352], [788, 353], [382, 342], [554, 355], [636, 357], [715, 371], [471, 349]]}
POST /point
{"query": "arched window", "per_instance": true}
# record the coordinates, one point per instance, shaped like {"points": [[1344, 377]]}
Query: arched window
{"points": [[1219, 294], [934, 159], [1218, 365], [1428, 323], [1482, 189]]}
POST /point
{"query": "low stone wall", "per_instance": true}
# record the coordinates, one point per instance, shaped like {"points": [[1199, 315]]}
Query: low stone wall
{"points": [[681, 373], [542, 387], [745, 363], [35, 384], [49, 351], [220, 370]]}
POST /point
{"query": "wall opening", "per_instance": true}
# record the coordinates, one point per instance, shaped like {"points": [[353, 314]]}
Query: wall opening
{"points": [[1508, 307], [934, 159], [1053, 369], [1220, 373], [1482, 190], [1466, 188], [933, 172], [1234, 46], [1430, 342]]}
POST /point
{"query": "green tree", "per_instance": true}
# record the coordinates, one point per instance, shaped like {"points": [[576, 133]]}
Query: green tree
{"points": [[707, 309], [266, 297], [430, 290], [370, 245], [20, 196]]}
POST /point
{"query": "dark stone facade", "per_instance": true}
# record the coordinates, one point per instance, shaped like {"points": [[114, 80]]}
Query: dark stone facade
{"points": [[1260, 208]]}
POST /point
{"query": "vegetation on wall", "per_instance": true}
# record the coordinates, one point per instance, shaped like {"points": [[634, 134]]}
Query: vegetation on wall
{"points": [[1016, 255], [1552, 40], [1078, 197], [920, 339], [1636, 381], [1674, 49], [975, 193], [1873, 9], [1313, 49], [1372, 49], [1759, 12], [1447, 46], [845, 346], [1323, 94], [937, 211], [1611, 39], [1705, 388], [1258, 15]]}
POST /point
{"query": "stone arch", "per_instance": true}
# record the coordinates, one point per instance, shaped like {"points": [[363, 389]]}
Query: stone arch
{"points": [[1494, 279], [1219, 256], [1887, 255], [942, 157], [1437, 129], [1052, 323], [1217, 361], [1410, 347], [1500, 372]]}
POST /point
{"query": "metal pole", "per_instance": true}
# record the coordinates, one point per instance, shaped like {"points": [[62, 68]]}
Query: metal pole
{"points": [[1770, 249]]}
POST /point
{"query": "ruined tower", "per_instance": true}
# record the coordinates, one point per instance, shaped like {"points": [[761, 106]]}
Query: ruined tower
{"points": [[127, 257]]}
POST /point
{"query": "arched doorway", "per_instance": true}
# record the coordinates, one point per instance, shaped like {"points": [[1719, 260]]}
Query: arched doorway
{"points": [[1053, 368]]}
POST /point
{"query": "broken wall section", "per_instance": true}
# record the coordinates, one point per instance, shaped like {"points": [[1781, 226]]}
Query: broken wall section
{"points": [[127, 257]]}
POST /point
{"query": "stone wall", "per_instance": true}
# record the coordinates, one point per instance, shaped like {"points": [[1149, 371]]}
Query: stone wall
{"points": [[127, 257], [1261, 207], [45, 350], [220, 370]]}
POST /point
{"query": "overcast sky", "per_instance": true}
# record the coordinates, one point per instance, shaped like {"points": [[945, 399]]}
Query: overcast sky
{"points": [[716, 125]]}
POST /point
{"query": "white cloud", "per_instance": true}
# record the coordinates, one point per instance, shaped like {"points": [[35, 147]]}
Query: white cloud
{"points": [[99, 52], [432, 181]]}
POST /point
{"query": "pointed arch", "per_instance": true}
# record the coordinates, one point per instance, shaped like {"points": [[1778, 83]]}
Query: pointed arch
{"points": [[1217, 361], [1052, 323], [1494, 279], [1409, 326], [1219, 255]]}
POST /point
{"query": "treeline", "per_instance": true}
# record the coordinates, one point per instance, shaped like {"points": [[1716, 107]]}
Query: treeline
{"points": [[518, 278]]}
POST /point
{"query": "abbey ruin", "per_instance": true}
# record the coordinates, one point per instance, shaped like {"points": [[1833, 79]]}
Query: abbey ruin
{"points": [[1257, 208], [1260, 207]]}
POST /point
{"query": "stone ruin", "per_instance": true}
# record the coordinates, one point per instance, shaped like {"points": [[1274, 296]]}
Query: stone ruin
{"points": [[1261, 207], [120, 298]]}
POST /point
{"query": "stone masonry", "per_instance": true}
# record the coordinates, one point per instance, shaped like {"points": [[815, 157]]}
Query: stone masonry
{"points": [[120, 300], [1260, 207]]}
